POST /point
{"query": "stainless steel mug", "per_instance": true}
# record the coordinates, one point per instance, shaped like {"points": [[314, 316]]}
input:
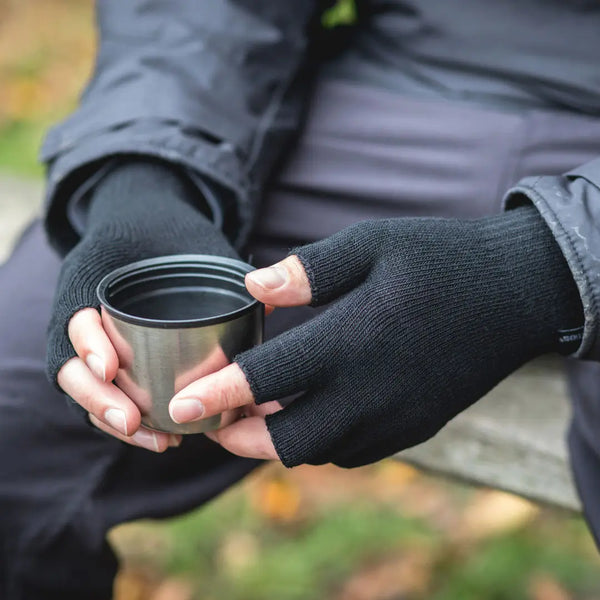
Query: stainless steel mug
{"points": [[172, 320]]}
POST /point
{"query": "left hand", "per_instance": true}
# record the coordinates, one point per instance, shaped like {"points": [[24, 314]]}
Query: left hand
{"points": [[425, 317], [142, 208]]}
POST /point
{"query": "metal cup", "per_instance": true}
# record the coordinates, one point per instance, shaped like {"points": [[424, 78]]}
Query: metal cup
{"points": [[175, 319]]}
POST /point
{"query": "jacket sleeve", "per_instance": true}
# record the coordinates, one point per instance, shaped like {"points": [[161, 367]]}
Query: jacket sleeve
{"points": [[214, 86], [570, 205]]}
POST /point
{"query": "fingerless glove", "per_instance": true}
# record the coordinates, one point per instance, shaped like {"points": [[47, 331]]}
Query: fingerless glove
{"points": [[426, 316], [139, 210]]}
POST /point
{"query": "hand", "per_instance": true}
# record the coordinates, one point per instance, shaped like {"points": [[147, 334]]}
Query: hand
{"points": [[425, 317], [140, 210]]}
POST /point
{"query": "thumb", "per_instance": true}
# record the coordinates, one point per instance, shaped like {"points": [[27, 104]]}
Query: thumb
{"points": [[282, 284]]}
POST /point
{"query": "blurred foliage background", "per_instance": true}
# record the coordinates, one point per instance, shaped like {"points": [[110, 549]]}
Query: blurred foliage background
{"points": [[383, 532], [46, 53]]}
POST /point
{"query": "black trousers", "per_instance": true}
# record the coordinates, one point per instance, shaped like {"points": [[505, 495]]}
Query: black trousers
{"points": [[365, 154]]}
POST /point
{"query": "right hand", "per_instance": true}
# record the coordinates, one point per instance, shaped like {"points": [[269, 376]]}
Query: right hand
{"points": [[140, 210]]}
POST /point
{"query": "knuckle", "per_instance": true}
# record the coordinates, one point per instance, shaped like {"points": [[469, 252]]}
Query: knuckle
{"points": [[82, 319], [66, 370], [295, 267], [233, 390], [225, 402], [228, 398], [79, 341], [81, 316], [92, 403], [67, 374]]}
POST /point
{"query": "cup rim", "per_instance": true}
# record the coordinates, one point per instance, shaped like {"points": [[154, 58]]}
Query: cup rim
{"points": [[229, 269]]}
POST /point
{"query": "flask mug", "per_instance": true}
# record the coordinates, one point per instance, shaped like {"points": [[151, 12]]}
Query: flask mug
{"points": [[175, 319]]}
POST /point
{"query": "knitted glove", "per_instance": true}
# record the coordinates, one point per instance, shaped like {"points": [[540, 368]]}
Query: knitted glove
{"points": [[427, 315], [141, 209]]}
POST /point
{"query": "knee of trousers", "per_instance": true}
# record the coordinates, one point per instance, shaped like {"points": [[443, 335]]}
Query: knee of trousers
{"points": [[52, 535], [56, 560], [51, 462]]}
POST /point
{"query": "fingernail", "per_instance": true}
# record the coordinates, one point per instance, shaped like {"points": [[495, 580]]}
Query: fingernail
{"points": [[96, 366], [270, 278], [147, 439], [183, 410], [174, 441], [115, 417]]}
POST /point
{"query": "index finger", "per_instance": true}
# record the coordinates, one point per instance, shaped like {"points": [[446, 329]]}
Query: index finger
{"points": [[216, 393]]}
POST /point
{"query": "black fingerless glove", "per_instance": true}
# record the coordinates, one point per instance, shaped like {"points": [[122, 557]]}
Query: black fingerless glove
{"points": [[429, 315], [141, 209]]}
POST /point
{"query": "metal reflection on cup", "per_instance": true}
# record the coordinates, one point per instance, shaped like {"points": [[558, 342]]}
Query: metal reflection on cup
{"points": [[173, 320]]}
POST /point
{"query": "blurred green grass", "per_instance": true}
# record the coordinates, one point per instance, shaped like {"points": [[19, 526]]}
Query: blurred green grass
{"points": [[19, 144], [235, 550], [42, 70], [342, 13], [307, 563]]}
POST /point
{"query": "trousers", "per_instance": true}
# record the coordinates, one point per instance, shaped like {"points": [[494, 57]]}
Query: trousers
{"points": [[364, 153]]}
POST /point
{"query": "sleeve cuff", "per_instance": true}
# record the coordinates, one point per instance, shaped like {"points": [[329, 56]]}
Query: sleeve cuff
{"points": [[74, 171], [79, 202], [558, 199]]}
